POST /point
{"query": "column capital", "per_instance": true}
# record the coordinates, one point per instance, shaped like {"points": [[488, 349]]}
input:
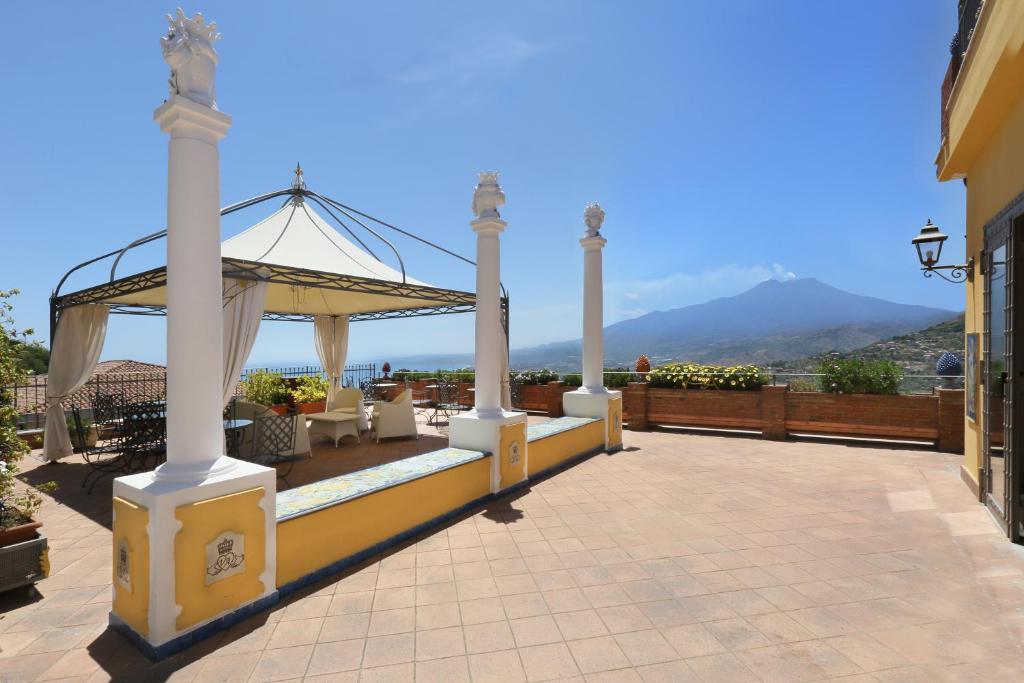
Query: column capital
{"points": [[593, 243], [488, 227], [181, 117]]}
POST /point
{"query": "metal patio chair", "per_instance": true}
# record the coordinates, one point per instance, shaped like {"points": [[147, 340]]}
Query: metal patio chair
{"points": [[106, 457], [274, 443]]}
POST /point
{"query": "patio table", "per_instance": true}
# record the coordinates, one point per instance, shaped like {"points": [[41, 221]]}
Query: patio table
{"points": [[334, 425]]}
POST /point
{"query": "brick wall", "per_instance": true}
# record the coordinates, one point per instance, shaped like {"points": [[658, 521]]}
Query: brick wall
{"points": [[777, 412]]}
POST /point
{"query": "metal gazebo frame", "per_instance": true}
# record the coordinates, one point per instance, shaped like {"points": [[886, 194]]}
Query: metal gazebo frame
{"points": [[434, 300]]}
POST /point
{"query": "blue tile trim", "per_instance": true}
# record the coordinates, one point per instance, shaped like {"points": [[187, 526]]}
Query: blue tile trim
{"points": [[187, 640], [346, 562]]}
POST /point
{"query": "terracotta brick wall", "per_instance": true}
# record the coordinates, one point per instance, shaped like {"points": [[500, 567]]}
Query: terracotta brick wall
{"points": [[776, 412], [896, 417]]}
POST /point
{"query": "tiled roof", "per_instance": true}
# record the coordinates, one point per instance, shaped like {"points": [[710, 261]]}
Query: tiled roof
{"points": [[133, 378]]}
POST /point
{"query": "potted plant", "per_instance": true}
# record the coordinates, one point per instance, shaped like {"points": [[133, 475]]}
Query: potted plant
{"points": [[386, 368], [310, 394], [90, 432], [23, 558], [267, 388]]}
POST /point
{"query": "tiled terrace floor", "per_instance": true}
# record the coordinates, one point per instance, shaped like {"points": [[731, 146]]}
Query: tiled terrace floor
{"points": [[683, 558]]}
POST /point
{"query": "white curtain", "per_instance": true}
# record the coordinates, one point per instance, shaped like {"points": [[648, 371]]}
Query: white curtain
{"points": [[74, 353], [330, 334], [244, 301], [506, 389]]}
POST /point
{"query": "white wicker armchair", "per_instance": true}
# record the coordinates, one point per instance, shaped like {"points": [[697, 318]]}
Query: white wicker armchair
{"points": [[350, 400], [394, 418]]}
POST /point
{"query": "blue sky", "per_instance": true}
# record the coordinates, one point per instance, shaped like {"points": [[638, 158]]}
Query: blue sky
{"points": [[728, 143]]}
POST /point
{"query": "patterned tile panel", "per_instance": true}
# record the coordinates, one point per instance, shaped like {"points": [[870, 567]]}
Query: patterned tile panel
{"points": [[555, 426], [319, 494]]}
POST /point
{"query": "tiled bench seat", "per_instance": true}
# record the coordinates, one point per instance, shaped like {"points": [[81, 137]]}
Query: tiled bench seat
{"points": [[556, 425], [327, 526], [320, 494]]}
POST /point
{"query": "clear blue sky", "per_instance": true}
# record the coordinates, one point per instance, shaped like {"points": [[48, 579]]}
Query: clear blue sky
{"points": [[728, 143]]}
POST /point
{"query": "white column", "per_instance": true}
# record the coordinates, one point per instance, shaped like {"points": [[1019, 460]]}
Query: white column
{"points": [[488, 226], [593, 301], [481, 428], [488, 316], [195, 430]]}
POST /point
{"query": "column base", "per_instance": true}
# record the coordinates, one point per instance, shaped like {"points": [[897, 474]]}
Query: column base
{"points": [[502, 434], [191, 553], [603, 405]]}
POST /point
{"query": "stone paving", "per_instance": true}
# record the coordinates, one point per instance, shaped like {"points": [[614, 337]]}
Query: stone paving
{"points": [[683, 558]]}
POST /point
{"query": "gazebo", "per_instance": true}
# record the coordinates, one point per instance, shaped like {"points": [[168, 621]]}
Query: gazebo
{"points": [[294, 265]]}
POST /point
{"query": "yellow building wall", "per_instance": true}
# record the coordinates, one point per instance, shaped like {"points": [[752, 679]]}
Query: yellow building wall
{"points": [[986, 147], [994, 180], [318, 539], [554, 450]]}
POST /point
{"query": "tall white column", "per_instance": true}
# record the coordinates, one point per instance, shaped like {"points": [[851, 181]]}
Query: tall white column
{"points": [[176, 528], [593, 301], [488, 226], [592, 399], [195, 430], [489, 428]]}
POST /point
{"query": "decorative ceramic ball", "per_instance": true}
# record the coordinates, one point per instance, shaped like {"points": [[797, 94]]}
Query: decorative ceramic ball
{"points": [[949, 364], [643, 363]]}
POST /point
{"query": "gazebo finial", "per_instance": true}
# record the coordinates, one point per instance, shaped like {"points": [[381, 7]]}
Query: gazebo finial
{"points": [[298, 183]]}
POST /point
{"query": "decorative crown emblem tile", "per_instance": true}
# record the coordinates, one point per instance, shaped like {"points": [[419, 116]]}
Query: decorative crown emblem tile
{"points": [[225, 556]]}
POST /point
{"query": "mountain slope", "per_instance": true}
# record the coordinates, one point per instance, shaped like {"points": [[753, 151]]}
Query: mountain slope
{"points": [[772, 321], [916, 352]]}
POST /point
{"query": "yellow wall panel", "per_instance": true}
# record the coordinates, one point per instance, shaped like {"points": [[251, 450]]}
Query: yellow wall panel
{"points": [[554, 450], [131, 592], [202, 523], [318, 539]]}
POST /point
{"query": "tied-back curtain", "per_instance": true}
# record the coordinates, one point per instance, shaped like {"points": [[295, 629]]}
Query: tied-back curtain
{"points": [[76, 350], [506, 389], [244, 301], [330, 334]]}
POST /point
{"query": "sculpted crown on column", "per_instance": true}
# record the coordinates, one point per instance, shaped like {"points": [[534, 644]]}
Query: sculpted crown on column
{"points": [[487, 197], [188, 50]]}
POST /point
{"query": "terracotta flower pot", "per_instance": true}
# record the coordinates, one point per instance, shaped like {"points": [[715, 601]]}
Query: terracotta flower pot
{"points": [[316, 407], [19, 533], [280, 408]]}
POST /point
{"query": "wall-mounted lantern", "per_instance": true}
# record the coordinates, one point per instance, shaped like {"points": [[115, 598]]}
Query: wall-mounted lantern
{"points": [[929, 249]]}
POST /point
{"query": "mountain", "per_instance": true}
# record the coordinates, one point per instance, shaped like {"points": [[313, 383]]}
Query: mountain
{"points": [[773, 321], [916, 352]]}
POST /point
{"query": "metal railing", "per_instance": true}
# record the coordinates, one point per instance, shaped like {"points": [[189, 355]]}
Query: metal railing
{"points": [[29, 398]]}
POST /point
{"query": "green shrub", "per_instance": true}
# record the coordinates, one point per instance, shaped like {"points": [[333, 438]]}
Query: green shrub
{"points": [[573, 379], [310, 389], [855, 376], [696, 376], [17, 504], [617, 378], [266, 388], [803, 384]]}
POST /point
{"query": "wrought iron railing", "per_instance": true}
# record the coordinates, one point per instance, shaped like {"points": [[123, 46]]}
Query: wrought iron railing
{"points": [[968, 12], [29, 398]]}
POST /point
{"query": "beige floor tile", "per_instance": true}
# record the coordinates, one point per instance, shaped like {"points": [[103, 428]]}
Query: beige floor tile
{"points": [[535, 630], [387, 650], [488, 637], [282, 664], [581, 624], [646, 647], [548, 662], [441, 642], [447, 670], [344, 627], [597, 654], [387, 622], [334, 657], [496, 667]]}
